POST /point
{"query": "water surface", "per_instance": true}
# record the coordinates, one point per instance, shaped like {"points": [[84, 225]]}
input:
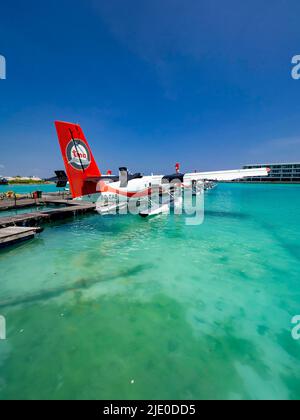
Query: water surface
{"points": [[123, 307], [29, 188], [24, 210]]}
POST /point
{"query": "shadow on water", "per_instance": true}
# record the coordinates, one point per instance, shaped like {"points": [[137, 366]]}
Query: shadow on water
{"points": [[81, 284], [291, 248], [227, 214]]}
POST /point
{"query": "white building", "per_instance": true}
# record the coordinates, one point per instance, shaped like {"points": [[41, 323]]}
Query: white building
{"points": [[280, 172]]}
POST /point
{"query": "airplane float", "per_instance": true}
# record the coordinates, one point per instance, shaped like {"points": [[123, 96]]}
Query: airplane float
{"points": [[113, 193]]}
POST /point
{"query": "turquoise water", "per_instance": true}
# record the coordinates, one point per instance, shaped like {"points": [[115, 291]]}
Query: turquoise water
{"points": [[33, 209], [27, 189], [123, 307]]}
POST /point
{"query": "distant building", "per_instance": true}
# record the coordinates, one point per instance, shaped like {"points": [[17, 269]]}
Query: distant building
{"points": [[3, 181], [280, 172], [23, 178]]}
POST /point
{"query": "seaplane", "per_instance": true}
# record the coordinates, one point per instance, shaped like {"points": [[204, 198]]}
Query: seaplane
{"points": [[150, 195]]}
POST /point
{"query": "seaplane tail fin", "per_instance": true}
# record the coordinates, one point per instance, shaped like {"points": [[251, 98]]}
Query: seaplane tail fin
{"points": [[78, 159]]}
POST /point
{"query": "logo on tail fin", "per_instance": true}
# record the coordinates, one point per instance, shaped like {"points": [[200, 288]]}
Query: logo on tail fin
{"points": [[78, 155]]}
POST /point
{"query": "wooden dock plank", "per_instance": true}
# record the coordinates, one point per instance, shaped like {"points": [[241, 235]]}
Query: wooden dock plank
{"points": [[20, 204], [12, 235], [36, 218], [6, 232]]}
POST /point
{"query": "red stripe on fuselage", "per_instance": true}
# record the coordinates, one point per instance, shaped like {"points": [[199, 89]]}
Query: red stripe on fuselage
{"points": [[106, 188]]}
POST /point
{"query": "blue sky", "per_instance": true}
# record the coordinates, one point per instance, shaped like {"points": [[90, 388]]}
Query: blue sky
{"points": [[203, 82]]}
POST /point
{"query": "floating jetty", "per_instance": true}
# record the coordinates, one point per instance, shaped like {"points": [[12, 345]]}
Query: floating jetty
{"points": [[18, 204], [25, 202], [72, 208], [14, 234], [20, 227]]}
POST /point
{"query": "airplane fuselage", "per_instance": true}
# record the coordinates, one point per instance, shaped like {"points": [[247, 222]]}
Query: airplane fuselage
{"points": [[135, 189]]}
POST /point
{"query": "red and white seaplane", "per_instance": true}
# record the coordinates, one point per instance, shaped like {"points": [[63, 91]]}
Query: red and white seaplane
{"points": [[113, 193]]}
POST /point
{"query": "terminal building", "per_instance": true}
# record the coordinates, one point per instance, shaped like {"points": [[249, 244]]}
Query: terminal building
{"points": [[280, 172]]}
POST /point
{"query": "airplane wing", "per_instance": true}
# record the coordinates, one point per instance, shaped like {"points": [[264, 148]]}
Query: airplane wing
{"points": [[227, 175]]}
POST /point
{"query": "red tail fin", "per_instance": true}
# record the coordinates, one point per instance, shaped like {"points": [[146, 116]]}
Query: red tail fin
{"points": [[78, 158]]}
